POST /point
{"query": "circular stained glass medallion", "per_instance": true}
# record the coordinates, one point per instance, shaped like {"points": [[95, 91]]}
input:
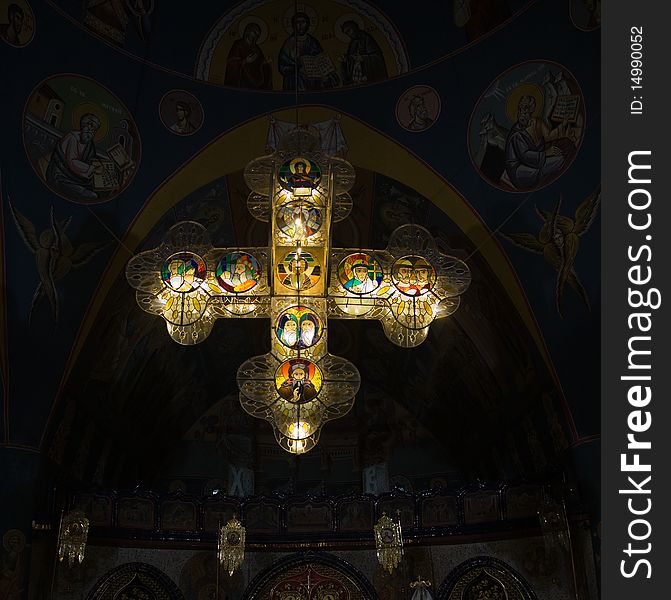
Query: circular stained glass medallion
{"points": [[299, 175], [298, 380], [359, 273], [238, 272], [413, 275], [184, 272], [299, 220], [298, 327]]}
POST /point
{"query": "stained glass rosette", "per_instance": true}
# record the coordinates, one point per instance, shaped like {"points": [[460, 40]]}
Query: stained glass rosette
{"points": [[298, 329], [358, 283], [417, 284], [297, 396], [239, 277], [299, 221], [189, 283]]}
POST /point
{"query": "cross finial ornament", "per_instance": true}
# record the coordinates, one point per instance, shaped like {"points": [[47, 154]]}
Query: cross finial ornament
{"points": [[299, 282]]}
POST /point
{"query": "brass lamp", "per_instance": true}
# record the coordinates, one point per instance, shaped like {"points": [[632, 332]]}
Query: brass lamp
{"points": [[388, 542], [72, 537], [231, 547]]}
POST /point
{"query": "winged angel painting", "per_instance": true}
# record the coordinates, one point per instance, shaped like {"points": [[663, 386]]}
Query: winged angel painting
{"points": [[558, 241], [55, 256]]}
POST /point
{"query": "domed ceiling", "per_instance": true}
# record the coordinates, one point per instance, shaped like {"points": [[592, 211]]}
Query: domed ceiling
{"points": [[127, 117]]}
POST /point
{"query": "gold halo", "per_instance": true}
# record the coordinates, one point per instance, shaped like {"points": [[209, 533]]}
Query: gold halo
{"points": [[260, 22], [89, 107], [513, 99], [300, 159]]}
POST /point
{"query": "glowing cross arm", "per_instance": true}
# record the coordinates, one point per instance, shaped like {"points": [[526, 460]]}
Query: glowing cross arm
{"points": [[189, 283], [406, 286]]}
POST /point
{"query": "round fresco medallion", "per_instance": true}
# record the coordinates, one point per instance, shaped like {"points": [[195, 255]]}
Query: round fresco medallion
{"points": [[586, 14], [17, 22], [184, 272], [418, 108], [298, 380], [298, 271], [527, 127], [181, 112], [298, 327], [14, 541], [299, 220], [238, 272], [413, 275], [299, 175], [359, 273], [80, 139]]}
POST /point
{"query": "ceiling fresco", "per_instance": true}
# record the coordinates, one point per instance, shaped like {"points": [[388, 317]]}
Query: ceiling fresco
{"points": [[249, 44], [126, 117]]}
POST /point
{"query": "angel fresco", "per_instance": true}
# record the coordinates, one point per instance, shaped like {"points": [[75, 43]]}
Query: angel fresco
{"points": [[55, 256], [558, 241]]}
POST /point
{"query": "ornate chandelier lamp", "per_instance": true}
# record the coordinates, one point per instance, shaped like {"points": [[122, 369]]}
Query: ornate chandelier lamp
{"points": [[299, 282], [421, 589], [388, 542], [231, 545], [72, 537], [298, 386]]}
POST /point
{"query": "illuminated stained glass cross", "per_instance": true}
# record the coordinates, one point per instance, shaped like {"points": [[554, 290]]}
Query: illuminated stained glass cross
{"points": [[299, 282]]}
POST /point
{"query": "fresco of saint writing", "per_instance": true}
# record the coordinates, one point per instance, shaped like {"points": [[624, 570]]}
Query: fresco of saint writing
{"points": [[80, 139], [527, 127]]}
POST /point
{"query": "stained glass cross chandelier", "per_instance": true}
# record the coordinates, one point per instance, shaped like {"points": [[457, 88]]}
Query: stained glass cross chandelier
{"points": [[299, 282]]}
